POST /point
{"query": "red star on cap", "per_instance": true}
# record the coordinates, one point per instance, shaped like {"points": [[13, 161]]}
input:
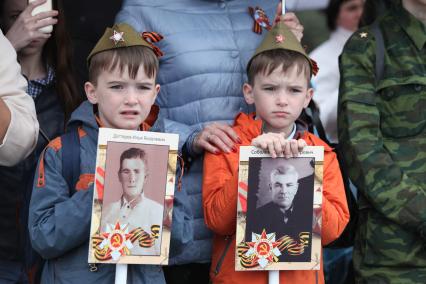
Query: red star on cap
{"points": [[279, 38], [117, 37]]}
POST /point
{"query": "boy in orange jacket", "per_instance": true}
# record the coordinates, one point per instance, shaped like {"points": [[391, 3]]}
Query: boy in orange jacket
{"points": [[278, 85]]}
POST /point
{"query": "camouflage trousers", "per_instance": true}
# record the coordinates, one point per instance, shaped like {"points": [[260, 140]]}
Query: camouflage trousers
{"points": [[385, 252]]}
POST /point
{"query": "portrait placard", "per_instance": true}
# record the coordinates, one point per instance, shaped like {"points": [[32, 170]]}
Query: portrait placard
{"points": [[279, 210], [133, 197]]}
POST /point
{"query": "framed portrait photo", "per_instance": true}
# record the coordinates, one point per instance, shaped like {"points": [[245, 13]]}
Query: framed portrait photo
{"points": [[133, 197], [279, 210]]}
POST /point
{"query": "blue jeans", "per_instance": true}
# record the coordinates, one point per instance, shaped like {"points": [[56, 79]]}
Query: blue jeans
{"points": [[338, 268], [12, 272]]}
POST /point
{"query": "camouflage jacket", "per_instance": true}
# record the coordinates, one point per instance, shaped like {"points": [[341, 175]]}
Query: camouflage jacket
{"points": [[383, 131]]}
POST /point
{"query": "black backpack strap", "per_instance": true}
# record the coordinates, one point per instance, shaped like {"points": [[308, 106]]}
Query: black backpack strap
{"points": [[380, 51], [71, 158], [317, 122]]}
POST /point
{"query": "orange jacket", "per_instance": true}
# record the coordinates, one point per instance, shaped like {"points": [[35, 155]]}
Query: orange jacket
{"points": [[220, 191]]}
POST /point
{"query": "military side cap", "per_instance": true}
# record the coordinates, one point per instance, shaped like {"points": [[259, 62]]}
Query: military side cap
{"points": [[280, 37], [123, 35]]}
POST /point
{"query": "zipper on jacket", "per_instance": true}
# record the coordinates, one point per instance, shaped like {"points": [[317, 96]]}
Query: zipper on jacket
{"points": [[222, 257]]}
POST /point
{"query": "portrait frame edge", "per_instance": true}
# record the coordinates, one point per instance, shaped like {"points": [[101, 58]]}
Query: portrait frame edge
{"points": [[97, 238], [246, 257]]}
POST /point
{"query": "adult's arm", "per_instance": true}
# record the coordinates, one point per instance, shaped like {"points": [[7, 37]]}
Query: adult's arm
{"points": [[18, 120], [4, 119], [381, 180]]}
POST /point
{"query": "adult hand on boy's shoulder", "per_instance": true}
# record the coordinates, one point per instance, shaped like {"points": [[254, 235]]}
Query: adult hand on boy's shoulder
{"points": [[216, 138], [291, 21], [278, 145]]}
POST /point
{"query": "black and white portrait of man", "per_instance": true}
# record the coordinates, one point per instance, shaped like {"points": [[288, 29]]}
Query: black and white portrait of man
{"points": [[280, 200]]}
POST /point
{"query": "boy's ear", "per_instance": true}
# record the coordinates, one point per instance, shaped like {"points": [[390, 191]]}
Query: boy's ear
{"points": [[90, 90], [157, 90], [308, 98], [248, 93]]}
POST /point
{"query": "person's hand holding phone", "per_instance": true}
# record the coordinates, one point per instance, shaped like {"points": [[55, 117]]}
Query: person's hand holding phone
{"points": [[28, 27]]}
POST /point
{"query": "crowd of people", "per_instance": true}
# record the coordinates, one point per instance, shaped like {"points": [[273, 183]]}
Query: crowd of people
{"points": [[226, 74]]}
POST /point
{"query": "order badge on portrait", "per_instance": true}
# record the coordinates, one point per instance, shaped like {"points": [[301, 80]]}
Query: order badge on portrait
{"points": [[133, 197], [279, 210]]}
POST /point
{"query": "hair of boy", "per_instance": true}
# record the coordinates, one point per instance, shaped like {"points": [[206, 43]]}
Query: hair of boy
{"points": [[131, 57], [133, 153], [266, 62], [284, 170]]}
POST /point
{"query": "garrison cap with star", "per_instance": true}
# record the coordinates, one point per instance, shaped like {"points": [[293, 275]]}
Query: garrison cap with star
{"points": [[280, 37], [123, 35]]}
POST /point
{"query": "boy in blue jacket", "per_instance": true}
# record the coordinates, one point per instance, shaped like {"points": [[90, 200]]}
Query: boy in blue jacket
{"points": [[121, 92]]}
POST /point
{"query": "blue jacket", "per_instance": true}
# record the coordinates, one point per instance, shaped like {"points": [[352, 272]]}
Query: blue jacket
{"points": [[206, 46], [59, 224]]}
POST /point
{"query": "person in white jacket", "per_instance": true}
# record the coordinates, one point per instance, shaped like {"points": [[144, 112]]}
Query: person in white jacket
{"points": [[343, 18], [18, 121]]}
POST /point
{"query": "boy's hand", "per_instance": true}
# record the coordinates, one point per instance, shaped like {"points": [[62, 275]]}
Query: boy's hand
{"points": [[278, 145], [290, 20], [216, 138], [26, 27]]}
